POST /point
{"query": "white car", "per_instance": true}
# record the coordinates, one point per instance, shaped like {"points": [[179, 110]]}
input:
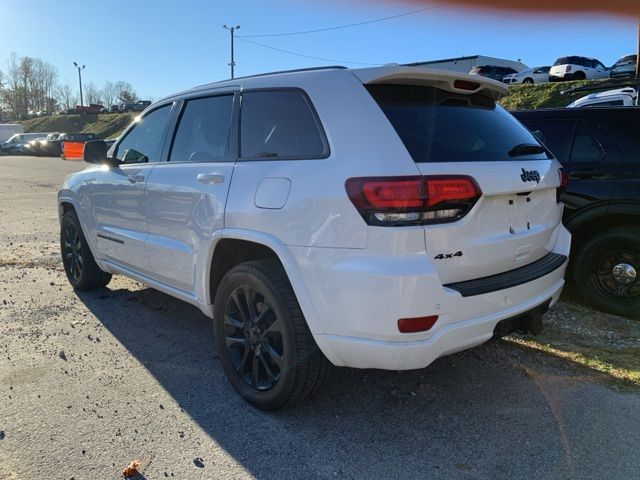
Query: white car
{"points": [[371, 218], [619, 97], [625, 66], [529, 76], [577, 68]]}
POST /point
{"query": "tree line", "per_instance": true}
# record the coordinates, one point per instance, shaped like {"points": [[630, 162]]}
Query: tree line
{"points": [[30, 85]]}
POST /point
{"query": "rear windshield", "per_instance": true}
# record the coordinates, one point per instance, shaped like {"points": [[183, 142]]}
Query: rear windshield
{"points": [[439, 126], [570, 60]]}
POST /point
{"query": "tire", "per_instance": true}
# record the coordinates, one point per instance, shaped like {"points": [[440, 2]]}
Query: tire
{"points": [[579, 76], [528, 81], [598, 281], [82, 270], [254, 342]]}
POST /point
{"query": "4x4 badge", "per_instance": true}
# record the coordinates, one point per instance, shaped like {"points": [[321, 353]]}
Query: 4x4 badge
{"points": [[530, 176]]}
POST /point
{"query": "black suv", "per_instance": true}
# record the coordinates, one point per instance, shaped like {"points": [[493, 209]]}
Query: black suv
{"points": [[600, 150]]}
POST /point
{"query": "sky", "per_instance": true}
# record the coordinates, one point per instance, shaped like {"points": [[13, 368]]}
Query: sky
{"points": [[162, 46]]}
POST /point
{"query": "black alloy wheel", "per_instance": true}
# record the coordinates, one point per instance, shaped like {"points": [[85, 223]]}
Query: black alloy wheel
{"points": [[82, 270], [262, 338], [253, 338], [72, 251]]}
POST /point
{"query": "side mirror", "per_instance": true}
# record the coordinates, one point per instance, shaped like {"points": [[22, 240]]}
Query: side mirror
{"points": [[95, 151]]}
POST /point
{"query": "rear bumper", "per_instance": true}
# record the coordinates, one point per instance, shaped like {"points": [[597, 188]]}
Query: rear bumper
{"points": [[356, 352], [357, 299]]}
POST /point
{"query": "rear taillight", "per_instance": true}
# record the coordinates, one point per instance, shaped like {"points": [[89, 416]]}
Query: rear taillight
{"points": [[564, 181], [414, 200]]}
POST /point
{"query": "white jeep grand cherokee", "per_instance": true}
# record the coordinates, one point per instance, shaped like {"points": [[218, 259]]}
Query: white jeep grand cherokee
{"points": [[373, 218]]}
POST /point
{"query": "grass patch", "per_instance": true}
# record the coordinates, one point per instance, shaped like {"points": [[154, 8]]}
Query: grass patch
{"points": [[546, 95], [107, 125], [603, 343]]}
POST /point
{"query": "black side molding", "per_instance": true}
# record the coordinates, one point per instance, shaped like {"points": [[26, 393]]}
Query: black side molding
{"points": [[512, 278]]}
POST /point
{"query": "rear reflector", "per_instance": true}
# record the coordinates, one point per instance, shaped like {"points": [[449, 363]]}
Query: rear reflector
{"points": [[418, 324], [413, 200], [465, 85], [564, 181]]}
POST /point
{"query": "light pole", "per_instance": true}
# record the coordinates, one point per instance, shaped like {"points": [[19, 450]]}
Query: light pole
{"points": [[231, 30], [80, 68]]}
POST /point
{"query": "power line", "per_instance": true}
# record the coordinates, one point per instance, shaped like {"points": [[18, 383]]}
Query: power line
{"points": [[412, 12], [333, 60]]}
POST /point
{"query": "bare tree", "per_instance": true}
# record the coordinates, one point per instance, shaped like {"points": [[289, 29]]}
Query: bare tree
{"points": [[91, 93], [109, 93], [66, 96], [125, 92]]}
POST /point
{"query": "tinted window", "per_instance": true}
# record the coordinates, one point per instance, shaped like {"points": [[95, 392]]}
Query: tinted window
{"points": [[586, 147], [608, 103], [439, 126], [279, 124], [203, 133], [555, 134], [144, 142]]}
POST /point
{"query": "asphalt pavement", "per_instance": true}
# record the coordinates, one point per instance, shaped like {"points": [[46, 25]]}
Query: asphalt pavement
{"points": [[92, 381]]}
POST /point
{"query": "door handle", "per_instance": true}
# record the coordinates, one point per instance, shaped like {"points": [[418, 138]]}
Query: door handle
{"points": [[135, 178], [209, 178]]}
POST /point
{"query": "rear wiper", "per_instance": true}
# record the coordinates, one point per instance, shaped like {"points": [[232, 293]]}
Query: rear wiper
{"points": [[526, 149]]}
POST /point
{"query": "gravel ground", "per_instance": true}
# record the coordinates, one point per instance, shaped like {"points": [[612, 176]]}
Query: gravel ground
{"points": [[89, 382]]}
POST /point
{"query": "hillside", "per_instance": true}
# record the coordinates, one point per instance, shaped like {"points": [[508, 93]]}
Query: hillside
{"points": [[546, 95], [108, 125]]}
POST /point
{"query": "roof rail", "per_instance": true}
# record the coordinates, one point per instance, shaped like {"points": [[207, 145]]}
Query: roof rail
{"points": [[633, 82], [309, 69]]}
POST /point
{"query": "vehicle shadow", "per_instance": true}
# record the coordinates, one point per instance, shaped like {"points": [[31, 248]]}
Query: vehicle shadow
{"points": [[476, 414]]}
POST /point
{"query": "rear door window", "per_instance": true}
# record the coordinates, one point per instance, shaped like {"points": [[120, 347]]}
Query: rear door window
{"points": [[280, 125], [440, 126], [203, 132]]}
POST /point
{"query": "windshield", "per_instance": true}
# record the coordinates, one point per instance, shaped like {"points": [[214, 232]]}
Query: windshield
{"points": [[440, 126]]}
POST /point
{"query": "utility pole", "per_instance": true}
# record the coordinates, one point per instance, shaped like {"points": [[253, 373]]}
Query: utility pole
{"points": [[638, 52], [80, 68], [231, 31]]}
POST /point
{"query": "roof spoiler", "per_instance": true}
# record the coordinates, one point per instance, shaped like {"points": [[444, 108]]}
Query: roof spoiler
{"points": [[443, 79]]}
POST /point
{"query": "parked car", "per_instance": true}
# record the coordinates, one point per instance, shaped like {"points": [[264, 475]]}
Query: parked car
{"points": [[53, 147], [50, 146], [17, 144], [114, 109], [577, 68], [93, 108], [33, 146], [600, 150], [619, 97], [493, 71], [625, 66], [304, 240], [529, 76], [134, 107]]}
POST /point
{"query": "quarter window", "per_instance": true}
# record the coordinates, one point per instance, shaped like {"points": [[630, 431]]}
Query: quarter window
{"points": [[280, 124], [203, 133], [586, 148], [143, 143], [555, 134]]}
